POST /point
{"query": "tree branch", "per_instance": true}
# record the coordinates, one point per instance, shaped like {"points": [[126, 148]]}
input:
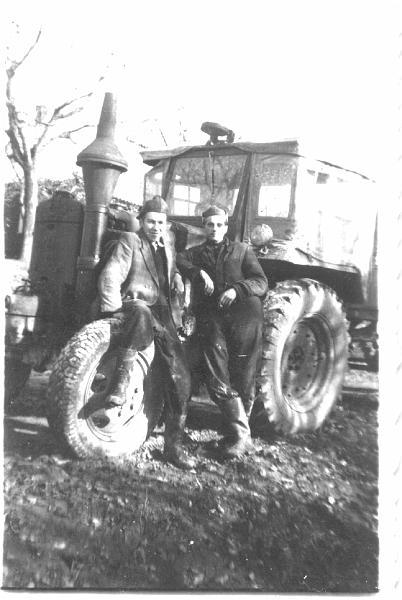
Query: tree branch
{"points": [[160, 131], [56, 113], [13, 161], [47, 124], [182, 131], [14, 124], [14, 65], [67, 134], [132, 141], [15, 145], [71, 113], [27, 154]]}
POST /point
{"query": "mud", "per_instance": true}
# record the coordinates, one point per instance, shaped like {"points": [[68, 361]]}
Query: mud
{"points": [[296, 515]]}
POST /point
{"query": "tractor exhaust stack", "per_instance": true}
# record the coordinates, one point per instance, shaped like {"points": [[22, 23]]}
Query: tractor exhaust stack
{"points": [[102, 163]]}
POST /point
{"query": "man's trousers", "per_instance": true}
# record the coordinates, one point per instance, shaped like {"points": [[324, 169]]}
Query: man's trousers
{"points": [[140, 325], [231, 346]]}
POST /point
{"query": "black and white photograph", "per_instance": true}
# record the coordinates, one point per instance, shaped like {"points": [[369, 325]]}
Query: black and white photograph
{"points": [[202, 272]]}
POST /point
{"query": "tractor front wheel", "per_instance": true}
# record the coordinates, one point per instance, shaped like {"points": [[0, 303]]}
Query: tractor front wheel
{"points": [[79, 384]]}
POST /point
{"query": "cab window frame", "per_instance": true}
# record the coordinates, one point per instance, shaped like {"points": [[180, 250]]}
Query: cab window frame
{"points": [[291, 159], [219, 152]]}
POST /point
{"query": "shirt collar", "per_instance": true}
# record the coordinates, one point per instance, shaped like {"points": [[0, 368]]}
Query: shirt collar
{"points": [[157, 244]]}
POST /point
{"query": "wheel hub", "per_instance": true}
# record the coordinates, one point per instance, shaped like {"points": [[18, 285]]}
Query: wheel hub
{"points": [[105, 421], [305, 361]]}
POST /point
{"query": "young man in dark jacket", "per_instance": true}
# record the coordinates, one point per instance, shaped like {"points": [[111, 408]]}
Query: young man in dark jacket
{"points": [[135, 287], [228, 286]]}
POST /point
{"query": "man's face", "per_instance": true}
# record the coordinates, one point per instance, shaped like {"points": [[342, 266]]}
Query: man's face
{"points": [[215, 228], [154, 225]]}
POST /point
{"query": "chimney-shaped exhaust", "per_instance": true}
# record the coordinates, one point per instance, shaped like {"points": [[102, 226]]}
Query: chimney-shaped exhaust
{"points": [[101, 163]]}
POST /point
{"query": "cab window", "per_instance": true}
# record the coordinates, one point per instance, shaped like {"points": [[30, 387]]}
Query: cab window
{"points": [[197, 182], [153, 181], [273, 181]]}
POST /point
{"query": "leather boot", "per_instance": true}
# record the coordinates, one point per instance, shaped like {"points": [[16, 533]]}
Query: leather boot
{"points": [[239, 439], [126, 360], [173, 450]]}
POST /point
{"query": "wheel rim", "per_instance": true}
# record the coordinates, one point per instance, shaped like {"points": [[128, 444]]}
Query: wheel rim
{"points": [[307, 363], [109, 423]]}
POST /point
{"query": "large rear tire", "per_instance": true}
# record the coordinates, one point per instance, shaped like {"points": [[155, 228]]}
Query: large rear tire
{"points": [[304, 356], [81, 380]]}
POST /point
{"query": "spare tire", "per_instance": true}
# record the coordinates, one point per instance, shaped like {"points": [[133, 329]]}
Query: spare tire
{"points": [[304, 356], [79, 384]]}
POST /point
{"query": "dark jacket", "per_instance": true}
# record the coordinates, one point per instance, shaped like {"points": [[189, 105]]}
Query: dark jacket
{"points": [[235, 267]]}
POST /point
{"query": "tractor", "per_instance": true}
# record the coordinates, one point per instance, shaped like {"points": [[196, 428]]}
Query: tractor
{"points": [[313, 226]]}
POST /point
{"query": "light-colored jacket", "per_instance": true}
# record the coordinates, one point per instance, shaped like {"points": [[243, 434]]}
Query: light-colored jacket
{"points": [[130, 271]]}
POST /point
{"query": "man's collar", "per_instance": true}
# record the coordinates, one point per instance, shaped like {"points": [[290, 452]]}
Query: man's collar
{"points": [[224, 242], [156, 244]]}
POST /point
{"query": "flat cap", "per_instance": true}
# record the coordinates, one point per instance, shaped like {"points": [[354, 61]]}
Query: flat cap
{"points": [[156, 204], [214, 210]]}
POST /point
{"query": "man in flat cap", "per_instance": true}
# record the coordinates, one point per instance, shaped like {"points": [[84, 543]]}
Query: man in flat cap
{"points": [[135, 287], [229, 284]]}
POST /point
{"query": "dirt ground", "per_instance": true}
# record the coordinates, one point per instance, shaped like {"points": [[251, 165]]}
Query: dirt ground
{"points": [[296, 515]]}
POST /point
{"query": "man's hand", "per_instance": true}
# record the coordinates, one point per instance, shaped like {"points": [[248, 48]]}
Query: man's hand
{"points": [[227, 298], [108, 314], [177, 284], [208, 283]]}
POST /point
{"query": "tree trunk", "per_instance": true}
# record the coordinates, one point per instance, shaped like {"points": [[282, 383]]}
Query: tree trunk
{"points": [[30, 204], [21, 209]]}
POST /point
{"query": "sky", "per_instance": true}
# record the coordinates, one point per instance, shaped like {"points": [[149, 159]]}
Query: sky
{"points": [[319, 70]]}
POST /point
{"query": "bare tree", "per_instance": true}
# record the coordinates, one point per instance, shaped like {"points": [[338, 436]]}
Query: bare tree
{"points": [[26, 138]]}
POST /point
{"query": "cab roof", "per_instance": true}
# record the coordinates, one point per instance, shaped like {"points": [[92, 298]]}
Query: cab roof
{"points": [[291, 147], [152, 157]]}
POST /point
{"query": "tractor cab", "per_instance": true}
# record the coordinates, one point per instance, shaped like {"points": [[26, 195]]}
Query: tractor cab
{"points": [[314, 208]]}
